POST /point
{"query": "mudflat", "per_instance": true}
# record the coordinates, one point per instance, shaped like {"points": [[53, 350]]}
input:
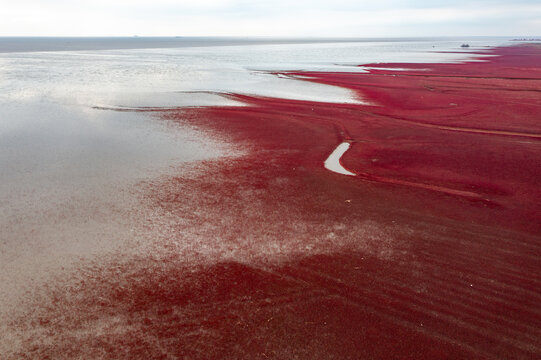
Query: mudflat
{"points": [[428, 248]]}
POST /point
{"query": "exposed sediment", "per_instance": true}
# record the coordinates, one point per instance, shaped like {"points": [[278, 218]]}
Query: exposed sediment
{"points": [[431, 251]]}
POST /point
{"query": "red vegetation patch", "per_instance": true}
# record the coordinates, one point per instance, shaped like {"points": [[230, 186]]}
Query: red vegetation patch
{"points": [[431, 251], [461, 139]]}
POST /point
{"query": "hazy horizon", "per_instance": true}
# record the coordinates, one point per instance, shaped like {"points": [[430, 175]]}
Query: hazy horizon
{"points": [[30, 44]]}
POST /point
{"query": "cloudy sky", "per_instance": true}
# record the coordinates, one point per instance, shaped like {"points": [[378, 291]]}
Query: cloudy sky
{"points": [[269, 18]]}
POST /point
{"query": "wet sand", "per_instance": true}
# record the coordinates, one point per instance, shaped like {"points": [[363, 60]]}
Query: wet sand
{"points": [[430, 251]]}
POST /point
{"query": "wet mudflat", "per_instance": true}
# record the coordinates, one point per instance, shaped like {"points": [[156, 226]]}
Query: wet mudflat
{"points": [[431, 250]]}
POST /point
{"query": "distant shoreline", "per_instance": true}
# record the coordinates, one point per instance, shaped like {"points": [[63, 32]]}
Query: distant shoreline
{"points": [[37, 44]]}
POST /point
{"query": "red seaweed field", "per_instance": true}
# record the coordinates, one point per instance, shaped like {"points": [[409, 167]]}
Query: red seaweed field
{"points": [[429, 249]]}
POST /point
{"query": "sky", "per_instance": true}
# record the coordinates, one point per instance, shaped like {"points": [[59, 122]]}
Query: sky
{"points": [[283, 18]]}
